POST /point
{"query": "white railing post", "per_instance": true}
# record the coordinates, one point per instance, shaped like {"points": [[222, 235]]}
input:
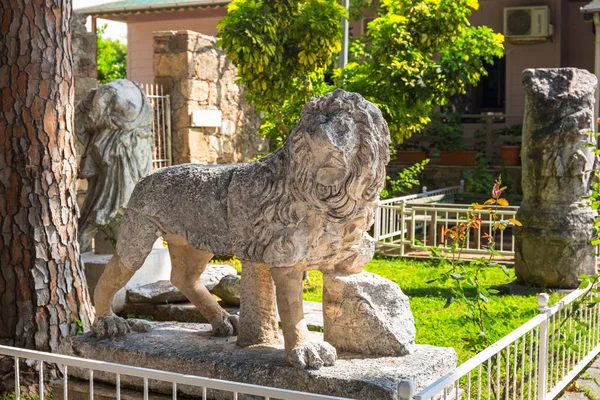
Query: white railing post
{"points": [[424, 189], [377, 223], [402, 228], [462, 186], [543, 300], [406, 389]]}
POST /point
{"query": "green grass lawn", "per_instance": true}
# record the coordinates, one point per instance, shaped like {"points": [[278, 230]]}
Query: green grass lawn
{"points": [[436, 325]]}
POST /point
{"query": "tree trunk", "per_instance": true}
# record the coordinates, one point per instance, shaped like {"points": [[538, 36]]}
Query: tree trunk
{"points": [[43, 292]]}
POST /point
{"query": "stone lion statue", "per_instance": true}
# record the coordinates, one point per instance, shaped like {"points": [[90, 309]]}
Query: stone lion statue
{"points": [[307, 206], [113, 125]]}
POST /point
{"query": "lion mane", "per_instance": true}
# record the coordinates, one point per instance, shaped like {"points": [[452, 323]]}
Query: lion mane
{"points": [[357, 139]]}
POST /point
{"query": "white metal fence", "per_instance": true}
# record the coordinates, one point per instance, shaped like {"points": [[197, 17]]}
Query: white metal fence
{"points": [[206, 385], [161, 129], [536, 361], [417, 222]]}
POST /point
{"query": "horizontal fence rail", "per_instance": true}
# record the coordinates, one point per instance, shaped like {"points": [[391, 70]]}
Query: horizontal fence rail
{"points": [[119, 370], [536, 361], [418, 222]]}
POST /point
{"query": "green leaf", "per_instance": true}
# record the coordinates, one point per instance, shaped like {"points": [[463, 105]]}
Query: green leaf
{"points": [[482, 297], [449, 301], [583, 284], [505, 270]]}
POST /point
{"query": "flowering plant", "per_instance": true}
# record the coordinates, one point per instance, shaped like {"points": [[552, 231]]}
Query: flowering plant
{"points": [[466, 286]]}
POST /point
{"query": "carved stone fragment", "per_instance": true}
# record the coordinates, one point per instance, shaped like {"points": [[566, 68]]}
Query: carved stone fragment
{"points": [[367, 314]]}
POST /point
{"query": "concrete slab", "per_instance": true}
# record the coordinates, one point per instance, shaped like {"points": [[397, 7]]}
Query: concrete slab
{"points": [[189, 349]]}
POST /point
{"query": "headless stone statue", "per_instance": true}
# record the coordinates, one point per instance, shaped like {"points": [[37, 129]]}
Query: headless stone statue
{"points": [[114, 127]]}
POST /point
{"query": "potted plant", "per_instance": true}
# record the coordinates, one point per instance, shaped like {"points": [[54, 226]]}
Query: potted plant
{"points": [[511, 144], [448, 129], [410, 153]]}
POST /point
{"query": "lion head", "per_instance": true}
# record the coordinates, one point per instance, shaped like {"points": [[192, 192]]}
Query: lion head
{"points": [[338, 152], [334, 172]]}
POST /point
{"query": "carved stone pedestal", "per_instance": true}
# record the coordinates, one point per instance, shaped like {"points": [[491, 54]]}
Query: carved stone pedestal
{"points": [[190, 349]]}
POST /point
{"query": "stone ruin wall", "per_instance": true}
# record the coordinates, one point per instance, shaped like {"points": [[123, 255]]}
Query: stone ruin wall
{"points": [[83, 45], [85, 72], [199, 76]]}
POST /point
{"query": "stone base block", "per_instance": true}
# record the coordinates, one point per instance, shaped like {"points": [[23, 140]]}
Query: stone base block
{"points": [[190, 349], [80, 390]]}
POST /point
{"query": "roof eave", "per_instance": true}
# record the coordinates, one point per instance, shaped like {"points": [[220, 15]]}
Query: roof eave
{"points": [[99, 10]]}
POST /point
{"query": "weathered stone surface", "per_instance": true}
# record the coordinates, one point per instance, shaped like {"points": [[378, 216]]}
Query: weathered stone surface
{"points": [[114, 125], [307, 206], [367, 314], [553, 246], [164, 291], [228, 289], [190, 349], [199, 76]]}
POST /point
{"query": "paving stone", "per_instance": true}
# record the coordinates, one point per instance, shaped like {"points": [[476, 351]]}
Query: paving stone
{"points": [[573, 396]]}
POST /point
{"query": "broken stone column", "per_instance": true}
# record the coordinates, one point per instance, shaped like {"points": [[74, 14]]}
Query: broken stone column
{"points": [[553, 246]]}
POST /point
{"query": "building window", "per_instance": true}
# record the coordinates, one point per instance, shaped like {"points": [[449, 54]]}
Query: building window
{"points": [[490, 93]]}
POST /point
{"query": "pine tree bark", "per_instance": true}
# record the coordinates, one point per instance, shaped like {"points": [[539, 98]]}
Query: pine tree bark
{"points": [[43, 293]]}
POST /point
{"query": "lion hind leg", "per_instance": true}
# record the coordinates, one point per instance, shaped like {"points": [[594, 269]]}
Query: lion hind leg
{"points": [[130, 256], [258, 309], [187, 266]]}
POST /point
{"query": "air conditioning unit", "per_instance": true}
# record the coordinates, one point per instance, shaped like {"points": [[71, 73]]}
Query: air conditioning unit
{"points": [[527, 22]]}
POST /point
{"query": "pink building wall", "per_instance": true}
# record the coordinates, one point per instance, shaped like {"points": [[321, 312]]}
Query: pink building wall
{"points": [[139, 35], [572, 44]]}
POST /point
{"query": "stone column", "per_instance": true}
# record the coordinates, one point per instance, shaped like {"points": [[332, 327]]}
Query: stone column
{"points": [[199, 76], [553, 247]]}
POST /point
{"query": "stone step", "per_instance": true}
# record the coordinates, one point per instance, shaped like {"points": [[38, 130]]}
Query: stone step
{"points": [[186, 312]]}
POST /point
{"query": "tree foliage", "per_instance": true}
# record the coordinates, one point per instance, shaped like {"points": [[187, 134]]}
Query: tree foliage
{"points": [[112, 57], [416, 55], [282, 49]]}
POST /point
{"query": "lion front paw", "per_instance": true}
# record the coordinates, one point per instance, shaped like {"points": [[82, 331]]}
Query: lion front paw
{"points": [[312, 355], [110, 326], [228, 326]]}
